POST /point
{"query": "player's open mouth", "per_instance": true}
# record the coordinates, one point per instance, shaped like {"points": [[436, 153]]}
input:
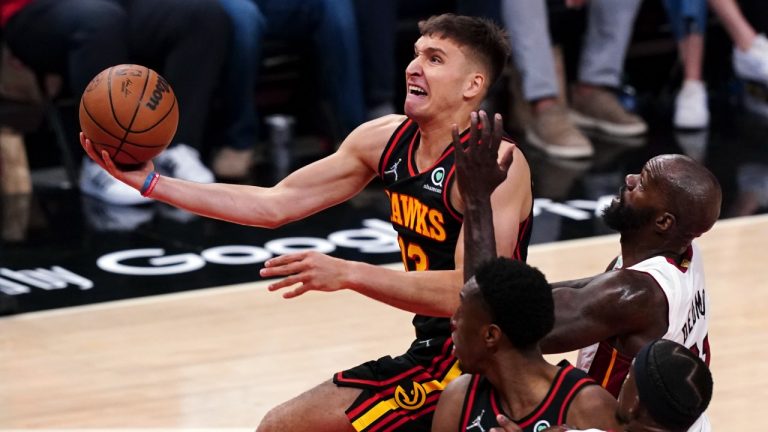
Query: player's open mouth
{"points": [[416, 90]]}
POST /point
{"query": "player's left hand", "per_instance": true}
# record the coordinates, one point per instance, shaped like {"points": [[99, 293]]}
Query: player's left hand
{"points": [[479, 169], [312, 271]]}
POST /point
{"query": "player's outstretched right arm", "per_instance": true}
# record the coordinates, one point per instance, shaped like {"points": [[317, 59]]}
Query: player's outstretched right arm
{"points": [[308, 190]]}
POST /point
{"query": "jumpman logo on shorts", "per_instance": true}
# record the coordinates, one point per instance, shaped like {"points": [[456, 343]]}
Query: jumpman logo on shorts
{"points": [[424, 342], [393, 168], [476, 422]]}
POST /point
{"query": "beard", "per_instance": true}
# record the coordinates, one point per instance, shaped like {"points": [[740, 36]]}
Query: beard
{"points": [[623, 218]]}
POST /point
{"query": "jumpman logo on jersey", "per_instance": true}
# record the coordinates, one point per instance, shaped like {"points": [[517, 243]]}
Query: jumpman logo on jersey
{"points": [[476, 422], [393, 168]]}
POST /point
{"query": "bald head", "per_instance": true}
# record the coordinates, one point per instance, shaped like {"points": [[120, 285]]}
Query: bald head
{"points": [[693, 192]]}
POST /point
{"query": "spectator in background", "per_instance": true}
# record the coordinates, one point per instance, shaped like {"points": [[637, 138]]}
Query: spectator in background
{"points": [[593, 102], [688, 19], [79, 38], [329, 26]]}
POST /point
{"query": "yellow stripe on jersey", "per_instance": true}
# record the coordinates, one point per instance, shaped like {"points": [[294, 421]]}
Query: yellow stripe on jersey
{"points": [[383, 407], [614, 353]]}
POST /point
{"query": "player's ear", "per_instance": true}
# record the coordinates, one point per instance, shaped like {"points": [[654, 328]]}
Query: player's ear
{"points": [[475, 85], [665, 222], [492, 336]]}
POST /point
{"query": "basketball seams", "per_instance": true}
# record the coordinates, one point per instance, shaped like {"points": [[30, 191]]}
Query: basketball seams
{"points": [[135, 112], [110, 133], [101, 114], [153, 125], [124, 152]]}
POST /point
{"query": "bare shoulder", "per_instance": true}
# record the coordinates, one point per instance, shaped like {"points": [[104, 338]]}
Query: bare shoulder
{"points": [[459, 386], [593, 407], [449, 405], [368, 140], [627, 290]]}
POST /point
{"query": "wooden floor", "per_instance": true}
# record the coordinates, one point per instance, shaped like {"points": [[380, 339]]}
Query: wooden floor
{"points": [[220, 358]]}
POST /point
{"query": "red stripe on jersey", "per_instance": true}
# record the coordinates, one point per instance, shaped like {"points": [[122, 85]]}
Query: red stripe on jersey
{"points": [[471, 401], [393, 143], [572, 394], [522, 229], [446, 199], [409, 153], [494, 404], [563, 372]]}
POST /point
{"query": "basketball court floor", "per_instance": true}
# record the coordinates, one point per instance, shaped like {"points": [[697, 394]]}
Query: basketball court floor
{"points": [[151, 318]]}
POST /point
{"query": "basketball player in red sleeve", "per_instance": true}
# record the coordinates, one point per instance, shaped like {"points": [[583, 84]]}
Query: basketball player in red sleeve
{"points": [[456, 60], [667, 389], [654, 289]]}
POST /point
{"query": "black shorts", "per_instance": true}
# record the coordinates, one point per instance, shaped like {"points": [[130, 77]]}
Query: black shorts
{"points": [[400, 393]]}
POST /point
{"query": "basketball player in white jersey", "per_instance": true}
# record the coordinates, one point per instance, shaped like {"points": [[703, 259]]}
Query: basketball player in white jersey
{"points": [[654, 289]]}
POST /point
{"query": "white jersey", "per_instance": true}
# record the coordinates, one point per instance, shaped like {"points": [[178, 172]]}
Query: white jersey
{"points": [[688, 305]]}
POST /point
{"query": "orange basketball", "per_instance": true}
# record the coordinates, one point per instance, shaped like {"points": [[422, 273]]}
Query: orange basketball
{"points": [[130, 111]]}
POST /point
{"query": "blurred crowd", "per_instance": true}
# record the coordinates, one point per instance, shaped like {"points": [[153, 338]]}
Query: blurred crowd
{"points": [[235, 64]]}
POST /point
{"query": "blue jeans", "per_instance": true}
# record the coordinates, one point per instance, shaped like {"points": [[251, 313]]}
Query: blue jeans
{"points": [[330, 27], [239, 78], [686, 17]]}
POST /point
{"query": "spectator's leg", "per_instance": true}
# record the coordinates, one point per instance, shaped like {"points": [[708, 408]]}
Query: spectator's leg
{"points": [[241, 71], [549, 128], [234, 159], [377, 21], [610, 24], [609, 28], [76, 38], [189, 41], [529, 39], [337, 45]]}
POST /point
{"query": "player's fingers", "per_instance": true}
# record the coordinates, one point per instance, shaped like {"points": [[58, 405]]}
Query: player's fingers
{"points": [[507, 158], [88, 147], [109, 165], [301, 289], [285, 283], [285, 259], [275, 270], [497, 132], [507, 424], [485, 133], [457, 149], [473, 132]]}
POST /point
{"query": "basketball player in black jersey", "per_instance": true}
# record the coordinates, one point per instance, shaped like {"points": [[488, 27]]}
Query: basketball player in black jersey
{"points": [[505, 309], [658, 214], [668, 387], [456, 60]]}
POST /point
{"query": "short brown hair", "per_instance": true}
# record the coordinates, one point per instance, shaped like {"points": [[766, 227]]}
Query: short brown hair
{"points": [[482, 36]]}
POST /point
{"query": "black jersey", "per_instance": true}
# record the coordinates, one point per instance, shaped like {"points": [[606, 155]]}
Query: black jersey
{"points": [[426, 222], [482, 403]]}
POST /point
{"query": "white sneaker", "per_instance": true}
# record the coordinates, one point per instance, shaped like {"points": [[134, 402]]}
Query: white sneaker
{"points": [[96, 182], [183, 162], [753, 64], [691, 110]]}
